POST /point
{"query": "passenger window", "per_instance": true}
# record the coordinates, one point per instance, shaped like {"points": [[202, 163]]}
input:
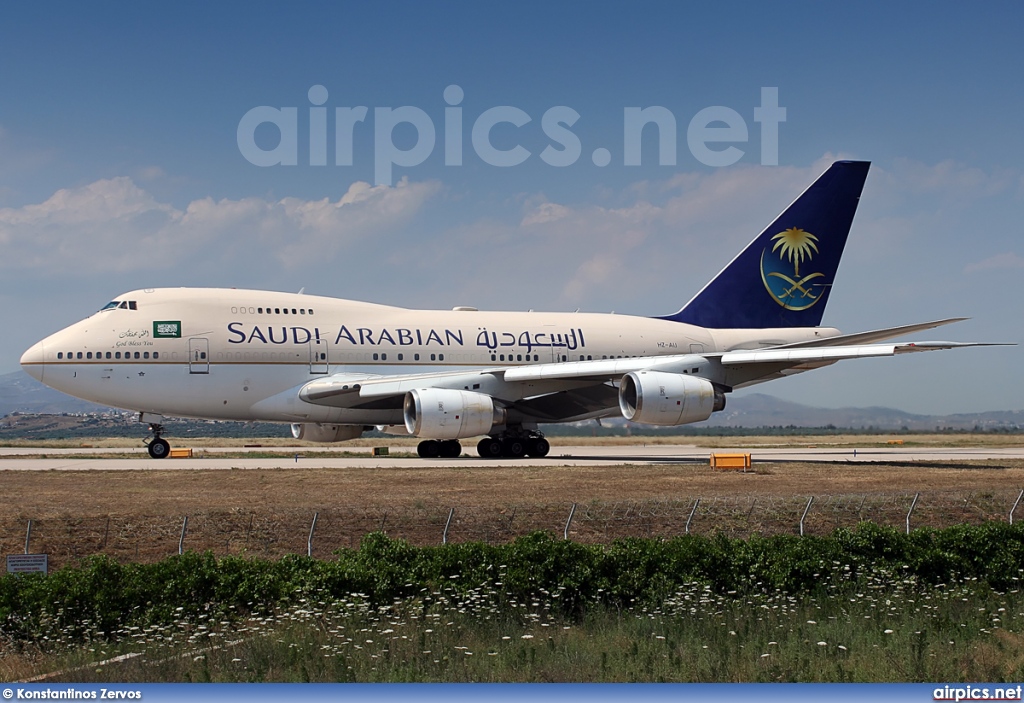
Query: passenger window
{"points": [[259, 310], [384, 357], [277, 311], [375, 356], [108, 355], [136, 355], [145, 355], [117, 355], [441, 357], [400, 357], [433, 357], [156, 355], [417, 357], [60, 355], [302, 311]]}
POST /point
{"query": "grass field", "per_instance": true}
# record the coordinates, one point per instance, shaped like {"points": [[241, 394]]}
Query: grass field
{"points": [[885, 629]]}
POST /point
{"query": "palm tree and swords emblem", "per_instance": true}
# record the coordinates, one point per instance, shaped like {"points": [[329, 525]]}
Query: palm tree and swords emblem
{"points": [[780, 269]]}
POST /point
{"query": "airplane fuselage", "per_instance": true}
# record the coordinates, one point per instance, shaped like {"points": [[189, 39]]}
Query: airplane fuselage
{"points": [[239, 354]]}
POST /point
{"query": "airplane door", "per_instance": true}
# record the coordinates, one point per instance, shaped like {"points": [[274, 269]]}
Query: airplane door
{"points": [[318, 356], [199, 355]]}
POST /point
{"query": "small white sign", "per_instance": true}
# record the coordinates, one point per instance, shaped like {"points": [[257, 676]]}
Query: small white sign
{"points": [[27, 563]]}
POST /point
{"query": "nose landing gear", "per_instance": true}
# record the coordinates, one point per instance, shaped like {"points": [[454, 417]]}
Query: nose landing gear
{"points": [[158, 447]]}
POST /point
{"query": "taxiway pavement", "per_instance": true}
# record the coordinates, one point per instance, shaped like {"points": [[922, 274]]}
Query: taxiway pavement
{"points": [[209, 458]]}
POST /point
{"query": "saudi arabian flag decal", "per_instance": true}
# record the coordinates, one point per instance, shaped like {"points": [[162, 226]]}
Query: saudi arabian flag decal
{"points": [[167, 330]]}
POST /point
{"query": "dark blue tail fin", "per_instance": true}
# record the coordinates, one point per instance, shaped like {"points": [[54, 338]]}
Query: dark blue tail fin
{"points": [[784, 276]]}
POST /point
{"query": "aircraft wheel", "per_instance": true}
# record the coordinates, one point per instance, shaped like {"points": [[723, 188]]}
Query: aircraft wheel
{"points": [[514, 448], [429, 449], [538, 447], [451, 449], [489, 448], [159, 448]]}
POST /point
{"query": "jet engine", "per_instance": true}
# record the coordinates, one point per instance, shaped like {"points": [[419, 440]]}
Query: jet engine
{"points": [[442, 413], [659, 398], [317, 432]]}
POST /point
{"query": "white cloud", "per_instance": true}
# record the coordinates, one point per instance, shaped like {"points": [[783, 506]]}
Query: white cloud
{"points": [[1005, 261], [114, 225], [543, 213]]}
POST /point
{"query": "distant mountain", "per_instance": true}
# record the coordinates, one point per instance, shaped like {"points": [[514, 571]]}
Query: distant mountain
{"points": [[21, 393], [760, 410]]}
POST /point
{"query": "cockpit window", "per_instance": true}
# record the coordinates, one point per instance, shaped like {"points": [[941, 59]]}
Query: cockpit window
{"points": [[121, 305]]}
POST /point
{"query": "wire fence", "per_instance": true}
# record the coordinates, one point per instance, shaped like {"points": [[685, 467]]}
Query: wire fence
{"points": [[274, 533]]}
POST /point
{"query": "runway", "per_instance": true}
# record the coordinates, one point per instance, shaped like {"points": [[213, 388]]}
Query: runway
{"points": [[208, 458]]}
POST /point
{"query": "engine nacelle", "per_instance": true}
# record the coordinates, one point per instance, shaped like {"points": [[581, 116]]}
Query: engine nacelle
{"points": [[317, 432], [442, 413], [659, 398]]}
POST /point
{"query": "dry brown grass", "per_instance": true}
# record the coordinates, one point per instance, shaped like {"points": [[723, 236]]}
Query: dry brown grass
{"points": [[138, 514]]}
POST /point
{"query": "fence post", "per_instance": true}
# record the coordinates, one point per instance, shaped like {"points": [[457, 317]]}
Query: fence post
{"points": [[447, 524], [1015, 504], [804, 516], [572, 511], [312, 529], [181, 540], [692, 511], [913, 504], [28, 536]]}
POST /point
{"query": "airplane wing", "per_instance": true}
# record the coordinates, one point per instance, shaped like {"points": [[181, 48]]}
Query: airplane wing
{"points": [[872, 336], [580, 388]]}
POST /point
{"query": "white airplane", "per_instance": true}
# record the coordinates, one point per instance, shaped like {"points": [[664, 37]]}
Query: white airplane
{"points": [[336, 368]]}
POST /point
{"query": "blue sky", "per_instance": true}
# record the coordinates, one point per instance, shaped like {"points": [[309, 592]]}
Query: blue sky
{"points": [[120, 166]]}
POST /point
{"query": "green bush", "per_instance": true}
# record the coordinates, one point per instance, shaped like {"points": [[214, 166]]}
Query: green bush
{"points": [[101, 597]]}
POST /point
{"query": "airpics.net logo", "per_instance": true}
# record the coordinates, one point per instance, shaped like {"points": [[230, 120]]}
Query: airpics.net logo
{"points": [[712, 134]]}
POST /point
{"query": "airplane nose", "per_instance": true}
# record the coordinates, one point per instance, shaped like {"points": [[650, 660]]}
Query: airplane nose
{"points": [[33, 361]]}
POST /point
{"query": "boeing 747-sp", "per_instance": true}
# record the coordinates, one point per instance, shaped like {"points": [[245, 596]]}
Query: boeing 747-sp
{"points": [[336, 368]]}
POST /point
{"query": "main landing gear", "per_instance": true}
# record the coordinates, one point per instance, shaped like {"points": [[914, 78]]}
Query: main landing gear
{"points": [[513, 446], [503, 446], [158, 448], [435, 448]]}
